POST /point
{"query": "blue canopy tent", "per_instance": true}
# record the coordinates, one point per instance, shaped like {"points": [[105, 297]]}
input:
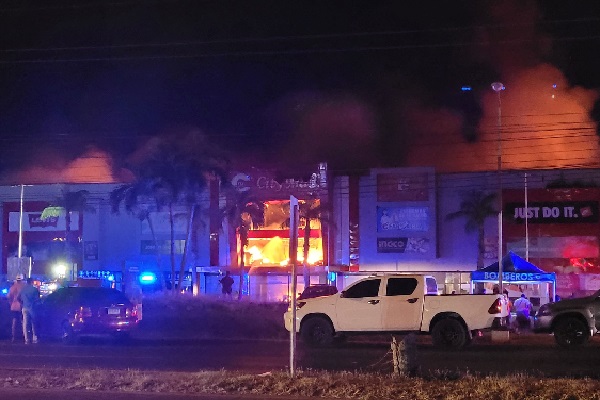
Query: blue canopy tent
{"points": [[515, 270]]}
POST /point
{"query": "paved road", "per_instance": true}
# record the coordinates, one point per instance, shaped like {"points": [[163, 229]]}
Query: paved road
{"points": [[527, 353]]}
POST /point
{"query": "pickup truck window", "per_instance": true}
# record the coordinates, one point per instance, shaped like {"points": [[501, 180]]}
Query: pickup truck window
{"points": [[368, 288], [400, 286], [431, 285]]}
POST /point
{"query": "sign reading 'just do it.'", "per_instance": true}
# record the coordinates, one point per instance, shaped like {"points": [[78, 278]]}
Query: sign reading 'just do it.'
{"points": [[554, 212]]}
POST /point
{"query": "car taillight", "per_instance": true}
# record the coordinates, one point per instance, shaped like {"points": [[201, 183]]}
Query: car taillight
{"points": [[496, 307], [131, 312]]}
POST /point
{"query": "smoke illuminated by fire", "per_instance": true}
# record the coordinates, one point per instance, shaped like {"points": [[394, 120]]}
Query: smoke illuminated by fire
{"points": [[544, 123], [541, 122], [93, 166]]}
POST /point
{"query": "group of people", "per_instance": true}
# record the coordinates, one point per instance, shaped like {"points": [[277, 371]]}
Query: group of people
{"points": [[23, 297], [523, 309]]}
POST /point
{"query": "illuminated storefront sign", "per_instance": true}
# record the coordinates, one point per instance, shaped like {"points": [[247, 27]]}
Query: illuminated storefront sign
{"points": [[33, 222], [402, 219], [402, 245], [512, 276], [265, 186], [554, 212]]}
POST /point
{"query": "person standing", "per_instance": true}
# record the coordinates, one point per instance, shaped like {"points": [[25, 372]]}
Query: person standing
{"points": [[29, 297], [226, 285], [15, 304], [509, 307], [523, 307]]}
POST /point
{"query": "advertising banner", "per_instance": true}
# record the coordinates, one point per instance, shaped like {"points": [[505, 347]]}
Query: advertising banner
{"points": [[265, 186], [32, 222], [402, 219], [403, 245], [554, 212]]}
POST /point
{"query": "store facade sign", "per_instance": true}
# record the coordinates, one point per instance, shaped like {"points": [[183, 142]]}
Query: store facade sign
{"points": [[264, 185], [512, 276], [90, 250], [402, 219], [393, 187], [554, 212], [33, 222], [402, 245]]}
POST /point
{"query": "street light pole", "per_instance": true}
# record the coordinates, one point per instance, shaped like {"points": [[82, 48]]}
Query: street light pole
{"points": [[498, 87]]}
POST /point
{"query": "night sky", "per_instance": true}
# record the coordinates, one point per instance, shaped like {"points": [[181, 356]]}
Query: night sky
{"points": [[355, 83]]}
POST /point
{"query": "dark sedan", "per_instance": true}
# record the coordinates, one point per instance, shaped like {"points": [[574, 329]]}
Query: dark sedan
{"points": [[71, 312]]}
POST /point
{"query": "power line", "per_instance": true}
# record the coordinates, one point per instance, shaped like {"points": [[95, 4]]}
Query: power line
{"points": [[246, 53]]}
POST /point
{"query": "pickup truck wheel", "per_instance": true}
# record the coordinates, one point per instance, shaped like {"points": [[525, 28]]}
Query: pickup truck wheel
{"points": [[317, 332], [449, 333], [571, 332]]}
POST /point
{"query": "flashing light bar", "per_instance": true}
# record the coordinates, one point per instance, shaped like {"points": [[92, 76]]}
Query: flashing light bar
{"points": [[147, 278]]}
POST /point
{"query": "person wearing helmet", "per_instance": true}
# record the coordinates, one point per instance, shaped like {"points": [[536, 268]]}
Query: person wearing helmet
{"points": [[15, 304]]}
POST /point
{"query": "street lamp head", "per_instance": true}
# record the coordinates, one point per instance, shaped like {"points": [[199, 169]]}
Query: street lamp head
{"points": [[497, 86]]}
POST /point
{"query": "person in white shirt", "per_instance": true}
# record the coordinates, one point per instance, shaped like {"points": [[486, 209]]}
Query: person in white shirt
{"points": [[523, 308]]}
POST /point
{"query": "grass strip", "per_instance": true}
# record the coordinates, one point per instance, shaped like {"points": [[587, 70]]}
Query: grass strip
{"points": [[343, 385]]}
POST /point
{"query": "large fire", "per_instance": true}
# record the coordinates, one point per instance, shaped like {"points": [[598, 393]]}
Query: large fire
{"points": [[276, 252]]}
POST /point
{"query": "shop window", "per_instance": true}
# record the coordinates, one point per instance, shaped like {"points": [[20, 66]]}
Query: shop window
{"points": [[268, 243]]}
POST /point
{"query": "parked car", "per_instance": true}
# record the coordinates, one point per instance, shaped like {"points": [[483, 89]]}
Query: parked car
{"points": [[572, 321], [71, 312], [317, 291], [5, 318]]}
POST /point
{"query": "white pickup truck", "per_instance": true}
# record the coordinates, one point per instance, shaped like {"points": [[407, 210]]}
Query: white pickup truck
{"points": [[396, 303]]}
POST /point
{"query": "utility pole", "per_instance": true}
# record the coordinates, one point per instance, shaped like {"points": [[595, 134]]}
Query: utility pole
{"points": [[526, 227], [498, 87], [293, 251]]}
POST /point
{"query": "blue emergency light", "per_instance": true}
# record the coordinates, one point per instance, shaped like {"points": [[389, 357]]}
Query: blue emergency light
{"points": [[147, 278]]}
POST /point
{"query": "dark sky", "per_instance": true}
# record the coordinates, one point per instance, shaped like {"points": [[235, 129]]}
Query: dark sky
{"points": [[289, 81]]}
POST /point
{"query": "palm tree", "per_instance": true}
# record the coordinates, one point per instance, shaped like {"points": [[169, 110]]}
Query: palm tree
{"points": [[138, 200], [241, 211], [309, 210], [175, 171], [476, 207], [67, 203]]}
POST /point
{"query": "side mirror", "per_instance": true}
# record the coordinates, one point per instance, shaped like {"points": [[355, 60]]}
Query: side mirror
{"points": [[343, 294]]}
